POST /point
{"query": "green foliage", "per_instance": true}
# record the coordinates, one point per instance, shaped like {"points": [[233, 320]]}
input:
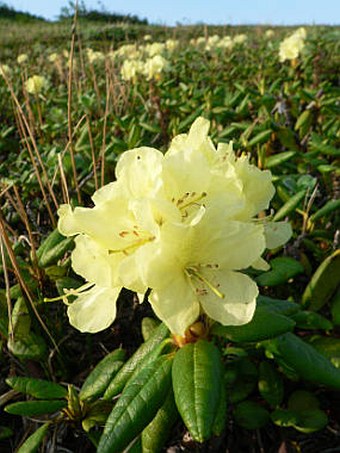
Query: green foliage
{"points": [[197, 381], [287, 119]]}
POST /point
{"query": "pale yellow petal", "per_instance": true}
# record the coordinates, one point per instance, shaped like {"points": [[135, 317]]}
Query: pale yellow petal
{"points": [[94, 310], [232, 244], [176, 305], [140, 169], [238, 303], [94, 263], [277, 234]]}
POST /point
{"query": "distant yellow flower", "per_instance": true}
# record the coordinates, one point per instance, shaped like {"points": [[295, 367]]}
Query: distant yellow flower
{"points": [[154, 66], [154, 48], [240, 38], [131, 68], [36, 84], [171, 44], [269, 33], [291, 47], [22, 58], [53, 57], [5, 70], [94, 56]]}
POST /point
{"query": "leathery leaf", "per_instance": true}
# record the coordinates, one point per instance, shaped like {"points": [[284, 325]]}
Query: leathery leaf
{"points": [[136, 360], [197, 376], [137, 405], [100, 377]]}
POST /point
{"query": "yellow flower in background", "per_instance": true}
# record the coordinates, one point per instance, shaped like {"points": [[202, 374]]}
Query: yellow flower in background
{"points": [[291, 47], [154, 66], [22, 58], [94, 56], [240, 38], [53, 57], [154, 48], [181, 223], [5, 70], [171, 44], [131, 68], [36, 84], [269, 33]]}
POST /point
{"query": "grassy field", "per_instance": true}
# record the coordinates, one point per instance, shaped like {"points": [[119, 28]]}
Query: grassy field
{"points": [[60, 139]]}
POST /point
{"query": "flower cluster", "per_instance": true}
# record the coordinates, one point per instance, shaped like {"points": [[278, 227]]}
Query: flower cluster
{"points": [[36, 84], [215, 42], [184, 225], [291, 47]]}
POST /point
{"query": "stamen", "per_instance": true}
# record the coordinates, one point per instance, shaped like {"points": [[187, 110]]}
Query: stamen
{"points": [[133, 246], [192, 199], [70, 292], [193, 272]]}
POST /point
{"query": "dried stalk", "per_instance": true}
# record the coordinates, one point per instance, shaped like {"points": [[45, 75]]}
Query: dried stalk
{"points": [[69, 105]]}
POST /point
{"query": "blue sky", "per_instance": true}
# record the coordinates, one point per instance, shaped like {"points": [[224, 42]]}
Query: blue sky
{"points": [[275, 12]]}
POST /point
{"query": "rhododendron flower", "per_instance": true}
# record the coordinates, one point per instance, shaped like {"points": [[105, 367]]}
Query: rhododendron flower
{"points": [[36, 84], [182, 224], [22, 58], [291, 47], [131, 68], [154, 66]]}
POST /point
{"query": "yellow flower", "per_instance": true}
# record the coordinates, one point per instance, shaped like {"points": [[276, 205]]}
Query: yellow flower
{"points": [[195, 268], [182, 224], [22, 58], [291, 47], [269, 33], [94, 56], [36, 84], [240, 39], [131, 68], [154, 66], [5, 70]]}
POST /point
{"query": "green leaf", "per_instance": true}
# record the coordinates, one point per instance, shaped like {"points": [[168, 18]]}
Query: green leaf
{"points": [[145, 353], [197, 376], [38, 388], [290, 205], [264, 325], [311, 320], [96, 415], [304, 121], [32, 347], [148, 326], [327, 346], [221, 414], [283, 269], [270, 384], [52, 255], [323, 283], [335, 308], [103, 373], [32, 408], [305, 360], [157, 432], [278, 159], [250, 415], [301, 400], [31, 444], [137, 405], [306, 422], [52, 239], [261, 137], [240, 379], [328, 208], [280, 306]]}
